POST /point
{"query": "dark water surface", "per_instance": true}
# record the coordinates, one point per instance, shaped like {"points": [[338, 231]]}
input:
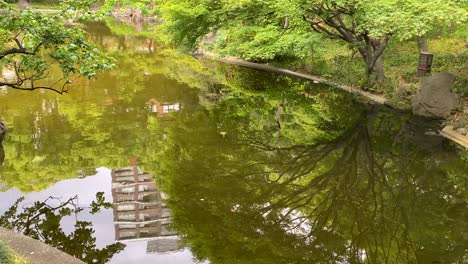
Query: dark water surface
{"points": [[215, 163]]}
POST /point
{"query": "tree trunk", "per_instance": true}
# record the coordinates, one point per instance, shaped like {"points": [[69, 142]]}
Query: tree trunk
{"points": [[379, 68], [422, 45], [374, 61], [23, 4]]}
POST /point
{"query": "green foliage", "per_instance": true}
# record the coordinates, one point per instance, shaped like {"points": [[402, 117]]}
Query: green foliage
{"points": [[36, 46], [409, 18], [281, 30], [99, 203], [256, 30], [264, 43]]}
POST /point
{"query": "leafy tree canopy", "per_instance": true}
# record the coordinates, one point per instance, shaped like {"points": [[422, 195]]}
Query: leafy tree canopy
{"points": [[269, 29]]}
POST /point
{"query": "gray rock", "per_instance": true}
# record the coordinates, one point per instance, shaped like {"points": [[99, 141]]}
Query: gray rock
{"points": [[150, 6], [23, 5], [117, 8], [463, 131], [435, 98], [403, 91], [128, 12], [461, 123], [138, 15]]}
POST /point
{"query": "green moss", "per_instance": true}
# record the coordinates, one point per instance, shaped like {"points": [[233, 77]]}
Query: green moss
{"points": [[5, 253]]}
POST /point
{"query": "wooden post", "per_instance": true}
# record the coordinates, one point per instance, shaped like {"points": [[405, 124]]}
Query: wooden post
{"points": [[425, 63]]}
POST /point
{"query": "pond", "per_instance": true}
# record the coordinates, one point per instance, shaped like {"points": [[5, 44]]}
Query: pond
{"points": [[206, 162]]}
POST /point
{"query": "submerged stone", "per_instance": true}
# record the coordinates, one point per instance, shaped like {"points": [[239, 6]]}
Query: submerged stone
{"points": [[435, 98]]}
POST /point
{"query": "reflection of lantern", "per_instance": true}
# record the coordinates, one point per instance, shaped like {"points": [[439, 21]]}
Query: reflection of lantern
{"points": [[8, 74], [425, 63]]}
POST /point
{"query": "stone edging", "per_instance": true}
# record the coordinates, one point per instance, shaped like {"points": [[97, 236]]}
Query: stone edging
{"points": [[231, 60], [450, 133], [35, 251]]}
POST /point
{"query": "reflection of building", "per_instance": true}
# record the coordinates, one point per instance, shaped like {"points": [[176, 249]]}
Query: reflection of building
{"points": [[161, 109], [139, 212], [169, 244]]}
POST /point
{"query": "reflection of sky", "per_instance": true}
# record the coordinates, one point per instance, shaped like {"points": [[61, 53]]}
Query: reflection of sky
{"points": [[103, 224]]}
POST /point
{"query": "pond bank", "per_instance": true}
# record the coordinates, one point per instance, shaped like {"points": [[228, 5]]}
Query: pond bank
{"points": [[231, 60], [35, 251], [447, 132]]}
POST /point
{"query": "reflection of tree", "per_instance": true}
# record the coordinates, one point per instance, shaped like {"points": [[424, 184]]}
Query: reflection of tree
{"points": [[375, 203], [366, 195], [42, 221], [53, 138]]}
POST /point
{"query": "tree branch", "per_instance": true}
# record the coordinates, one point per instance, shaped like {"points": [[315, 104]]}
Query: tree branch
{"points": [[18, 86], [15, 51]]}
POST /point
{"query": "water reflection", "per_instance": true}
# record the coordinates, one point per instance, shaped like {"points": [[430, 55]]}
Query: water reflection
{"points": [[42, 221], [258, 168], [131, 231], [140, 212], [373, 194]]}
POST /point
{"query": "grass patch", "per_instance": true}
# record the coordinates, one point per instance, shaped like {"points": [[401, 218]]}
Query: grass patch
{"points": [[19, 260], [7, 256], [5, 253]]}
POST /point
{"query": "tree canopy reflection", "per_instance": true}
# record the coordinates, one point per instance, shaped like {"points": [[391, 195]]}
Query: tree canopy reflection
{"points": [[368, 194], [41, 221], [277, 171]]}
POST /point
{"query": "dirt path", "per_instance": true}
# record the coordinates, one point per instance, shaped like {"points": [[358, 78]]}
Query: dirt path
{"points": [[35, 251]]}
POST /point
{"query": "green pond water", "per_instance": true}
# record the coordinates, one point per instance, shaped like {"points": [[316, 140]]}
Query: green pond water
{"points": [[207, 162]]}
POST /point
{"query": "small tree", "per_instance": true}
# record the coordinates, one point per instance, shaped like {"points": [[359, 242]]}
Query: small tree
{"points": [[369, 25]]}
